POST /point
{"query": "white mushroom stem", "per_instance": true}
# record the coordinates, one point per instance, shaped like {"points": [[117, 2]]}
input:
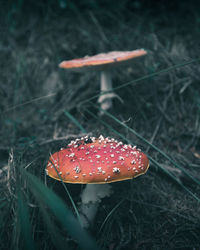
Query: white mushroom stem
{"points": [[90, 200], [106, 85], [105, 100]]}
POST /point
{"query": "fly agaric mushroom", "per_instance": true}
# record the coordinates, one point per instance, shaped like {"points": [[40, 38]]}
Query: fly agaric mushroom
{"points": [[104, 62], [96, 161]]}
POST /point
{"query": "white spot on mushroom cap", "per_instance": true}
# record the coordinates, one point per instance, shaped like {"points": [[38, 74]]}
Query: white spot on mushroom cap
{"points": [[133, 153], [93, 139], [77, 169], [116, 170], [133, 162], [101, 137]]}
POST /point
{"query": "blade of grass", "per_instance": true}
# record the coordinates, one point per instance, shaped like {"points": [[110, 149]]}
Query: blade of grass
{"points": [[150, 144], [46, 196], [142, 78], [151, 159], [56, 238], [3, 204], [174, 178], [116, 88], [66, 190], [109, 214], [73, 119], [24, 223], [68, 193], [3, 214]]}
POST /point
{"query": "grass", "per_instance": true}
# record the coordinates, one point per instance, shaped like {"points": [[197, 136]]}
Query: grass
{"points": [[44, 107]]}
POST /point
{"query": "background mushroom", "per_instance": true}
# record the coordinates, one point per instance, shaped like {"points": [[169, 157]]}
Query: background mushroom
{"points": [[104, 62], [96, 161]]}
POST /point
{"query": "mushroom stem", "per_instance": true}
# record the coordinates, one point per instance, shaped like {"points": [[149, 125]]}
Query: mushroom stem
{"points": [[90, 200], [106, 85]]}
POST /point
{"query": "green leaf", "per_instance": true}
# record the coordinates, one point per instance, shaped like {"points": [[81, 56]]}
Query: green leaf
{"points": [[56, 238], [46, 196], [24, 223]]}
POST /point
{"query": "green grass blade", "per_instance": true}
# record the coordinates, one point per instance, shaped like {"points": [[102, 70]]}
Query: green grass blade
{"points": [[143, 78], [150, 144], [3, 204], [73, 119], [24, 223], [109, 215], [3, 222], [152, 160], [63, 214], [68, 193], [57, 240], [174, 178]]}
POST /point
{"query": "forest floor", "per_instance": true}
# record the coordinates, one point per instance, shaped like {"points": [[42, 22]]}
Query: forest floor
{"points": [[43, 107]]}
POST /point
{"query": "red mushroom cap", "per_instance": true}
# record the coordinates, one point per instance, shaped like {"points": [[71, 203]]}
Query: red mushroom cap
{"points": [[103, 60], [97, 160]]}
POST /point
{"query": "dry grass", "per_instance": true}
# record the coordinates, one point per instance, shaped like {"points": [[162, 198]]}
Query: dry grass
{"points": [[155, 212]]}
